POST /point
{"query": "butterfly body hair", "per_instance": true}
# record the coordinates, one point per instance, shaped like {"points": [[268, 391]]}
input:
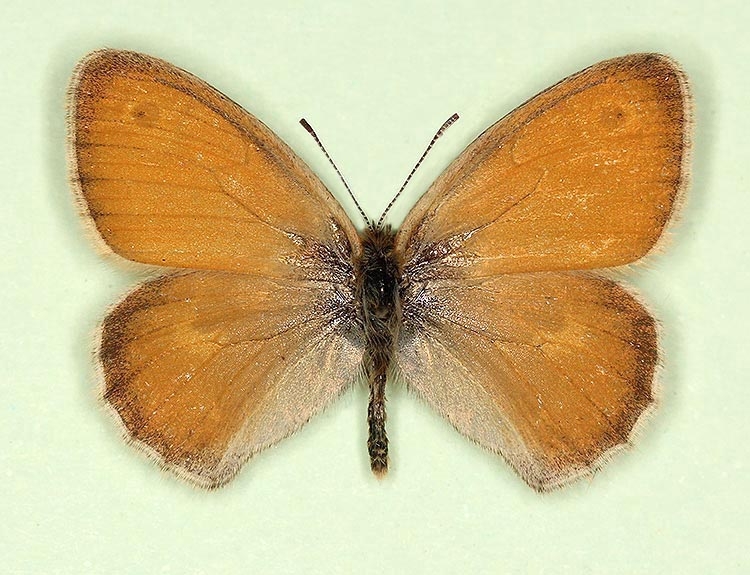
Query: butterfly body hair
{"points": [[379, 272]]}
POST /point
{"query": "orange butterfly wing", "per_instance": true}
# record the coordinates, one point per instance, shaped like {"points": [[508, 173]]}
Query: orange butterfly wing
{"points": [[174, 173], [584, 175], [205, 368], [551, 369]]}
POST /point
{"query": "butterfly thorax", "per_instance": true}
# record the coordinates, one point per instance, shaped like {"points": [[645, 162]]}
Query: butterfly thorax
{"points": [[378, 272]]}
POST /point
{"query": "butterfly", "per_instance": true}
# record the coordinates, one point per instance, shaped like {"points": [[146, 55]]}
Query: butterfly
{"points": [[269, 303]]}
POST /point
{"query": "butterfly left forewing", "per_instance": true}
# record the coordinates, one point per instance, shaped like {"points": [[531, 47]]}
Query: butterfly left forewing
{"points": [[171, 172]]}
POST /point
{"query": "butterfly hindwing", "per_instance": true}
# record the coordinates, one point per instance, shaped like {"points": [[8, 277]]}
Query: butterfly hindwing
{"points": [[551, 370], [207, 368]]}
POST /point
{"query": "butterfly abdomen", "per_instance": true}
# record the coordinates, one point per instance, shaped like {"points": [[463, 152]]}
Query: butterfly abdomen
{"points": [[378, 279]]}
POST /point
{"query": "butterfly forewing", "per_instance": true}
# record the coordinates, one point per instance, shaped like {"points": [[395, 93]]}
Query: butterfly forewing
{"points": [[584, 175], [550, 369], [174, 173], [205, 368]]}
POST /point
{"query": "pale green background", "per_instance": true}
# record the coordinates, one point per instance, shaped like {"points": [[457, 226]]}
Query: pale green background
{"points": [[376, 83]]}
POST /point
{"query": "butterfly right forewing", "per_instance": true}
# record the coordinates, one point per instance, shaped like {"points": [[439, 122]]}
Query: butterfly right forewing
{"points": [[584, 175]]}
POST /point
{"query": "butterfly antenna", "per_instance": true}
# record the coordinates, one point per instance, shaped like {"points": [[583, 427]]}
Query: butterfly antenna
{"points": [[308, 127], [447, 124]]}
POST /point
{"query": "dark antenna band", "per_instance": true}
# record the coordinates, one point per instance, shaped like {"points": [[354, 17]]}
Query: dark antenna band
{"points": [[447, 124], [308, 127]]}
